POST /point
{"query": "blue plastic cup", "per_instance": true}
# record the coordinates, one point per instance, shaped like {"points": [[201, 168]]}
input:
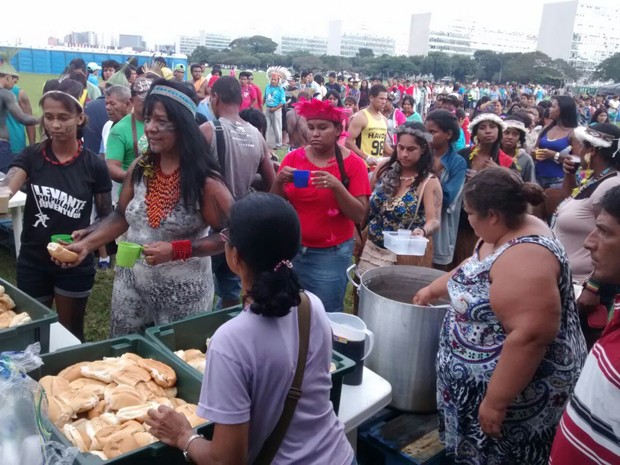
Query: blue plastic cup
{"points": [[301, 178]]}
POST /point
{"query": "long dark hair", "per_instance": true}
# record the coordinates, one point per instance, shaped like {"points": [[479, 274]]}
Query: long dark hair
{"points": [[334, 94], [496, 145], [594, 119], [391, 169], [568, 115], [196, 160], [68, 87], [265, 230]]}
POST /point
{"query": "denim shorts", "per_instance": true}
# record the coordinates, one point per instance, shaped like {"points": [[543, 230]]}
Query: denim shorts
{"points": [[323, 271], [549, 182], [43, 280], [227, 283]]}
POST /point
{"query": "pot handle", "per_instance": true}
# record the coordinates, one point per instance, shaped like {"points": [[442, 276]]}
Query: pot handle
{"points": [[370, 337], [349, 270]]}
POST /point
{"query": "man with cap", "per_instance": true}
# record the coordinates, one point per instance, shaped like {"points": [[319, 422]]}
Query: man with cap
{"points": [[179, 73], [9, 106], [124, 141], [93, 71]]}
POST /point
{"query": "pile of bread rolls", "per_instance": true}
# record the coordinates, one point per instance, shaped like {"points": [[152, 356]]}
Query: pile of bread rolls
{"points": [[8, 317], [101, 406]]}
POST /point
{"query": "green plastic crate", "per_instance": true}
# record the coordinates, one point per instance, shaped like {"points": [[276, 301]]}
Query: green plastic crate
{"points": [[38, 330], [188, 385], [192, 333]]}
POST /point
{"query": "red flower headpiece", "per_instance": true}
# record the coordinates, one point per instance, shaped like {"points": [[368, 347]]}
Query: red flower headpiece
{"points": [[317, 109]]}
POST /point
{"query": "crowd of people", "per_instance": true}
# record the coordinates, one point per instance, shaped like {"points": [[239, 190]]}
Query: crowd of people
{"points": [[508, 201]]}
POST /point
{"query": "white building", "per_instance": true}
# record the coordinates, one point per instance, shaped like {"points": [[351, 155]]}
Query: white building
{"points": [[187, 44], [348, 44], [582, 32], [464, 38], [314, 45]]}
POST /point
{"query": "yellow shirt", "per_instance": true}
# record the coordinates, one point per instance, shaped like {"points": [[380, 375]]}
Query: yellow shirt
{"points": [[372, 138]]}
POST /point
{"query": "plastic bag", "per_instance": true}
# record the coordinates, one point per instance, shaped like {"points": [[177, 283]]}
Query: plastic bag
{"points": [[24, 437]]}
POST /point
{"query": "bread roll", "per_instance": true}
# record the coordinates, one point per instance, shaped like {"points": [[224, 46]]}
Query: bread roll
{"points": [[136, 412], [99, 370], [144, 438], [123, 396], [61, 254], [89, 385], [59, 412], [82, 442], [198, 364], [162, 374], [6, 318], [73, 372], [100, 409], [131, 357], [176, 402], [7, 301], [189, 411], [79, 401], [119, 443], [20, 319], [151, 389], [54, 385], [99, 454], [130, 374]]}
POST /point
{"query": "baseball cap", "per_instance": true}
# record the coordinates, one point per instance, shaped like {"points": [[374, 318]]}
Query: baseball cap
{"points": [[179, 67], [92, 66]]}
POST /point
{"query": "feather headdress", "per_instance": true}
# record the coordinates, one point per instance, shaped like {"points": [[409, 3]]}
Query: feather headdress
{"points": [[283, 73], [317, 109]]}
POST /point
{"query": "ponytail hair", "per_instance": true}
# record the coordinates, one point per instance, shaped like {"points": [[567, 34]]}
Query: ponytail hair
{"points": [[265, 230]]}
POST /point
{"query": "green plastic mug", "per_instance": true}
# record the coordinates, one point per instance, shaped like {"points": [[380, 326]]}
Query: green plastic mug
{"points": [[62, 237], [127, 254]]}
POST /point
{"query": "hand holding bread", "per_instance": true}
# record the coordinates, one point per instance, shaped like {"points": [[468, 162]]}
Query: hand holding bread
{"points": [[61, 253]]}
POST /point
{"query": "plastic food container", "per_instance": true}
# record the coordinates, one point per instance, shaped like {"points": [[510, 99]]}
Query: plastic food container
{"points": [[404, 244], [192, 333], [38, 330], [188, 386]]}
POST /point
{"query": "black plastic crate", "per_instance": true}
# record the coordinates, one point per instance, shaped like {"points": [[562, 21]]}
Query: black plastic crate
{"points": [[38, 330], [192, 333], [188, 386]]}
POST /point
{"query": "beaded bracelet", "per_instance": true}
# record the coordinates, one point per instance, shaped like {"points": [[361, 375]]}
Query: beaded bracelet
{"points": [[592, 285], [181, 250]]}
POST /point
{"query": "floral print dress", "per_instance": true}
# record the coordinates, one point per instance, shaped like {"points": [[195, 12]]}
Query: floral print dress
{"points": [[470, 346]]}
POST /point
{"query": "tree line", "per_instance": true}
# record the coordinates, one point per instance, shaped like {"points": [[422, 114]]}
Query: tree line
{"points": [[259, 52]]}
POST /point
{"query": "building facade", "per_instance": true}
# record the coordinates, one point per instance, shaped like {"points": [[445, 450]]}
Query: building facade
{"points": [[130, 41], [582, 32], [187, 44], [314, 45], [88, 38]]}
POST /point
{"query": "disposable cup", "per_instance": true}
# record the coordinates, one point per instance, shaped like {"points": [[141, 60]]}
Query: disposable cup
{"points": [[301, 178], [62, 237], [127, 254], [576, 160]]}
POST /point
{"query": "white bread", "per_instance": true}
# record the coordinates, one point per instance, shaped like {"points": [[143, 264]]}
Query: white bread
{"points": [[177, 402], [60, 253], [75, 437], [58, 411], [98, 453], [119, 443], [20, 319], [162, 374], [189, 411], [97, 411], [131, 357], [172, 392], [123, 396], [144, 439], [132, 427], [89, 385], [197, 364], [99, 370], [79, 401], [54, 385], [6, 318], [2, 290], [103, 433], [164, 401], [130, 374], [136, 412], [332, 367], [73, 372], [151, 390], [7, 301]]}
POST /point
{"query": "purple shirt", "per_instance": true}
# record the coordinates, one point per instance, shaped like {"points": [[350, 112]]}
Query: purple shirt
{"points": [[250, 366]]}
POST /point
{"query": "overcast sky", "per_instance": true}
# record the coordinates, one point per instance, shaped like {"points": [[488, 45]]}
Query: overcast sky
{"points": [[162, 22]]}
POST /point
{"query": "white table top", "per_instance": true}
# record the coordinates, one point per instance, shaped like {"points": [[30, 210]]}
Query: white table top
{"points": [[357, 403], [18, 200]]}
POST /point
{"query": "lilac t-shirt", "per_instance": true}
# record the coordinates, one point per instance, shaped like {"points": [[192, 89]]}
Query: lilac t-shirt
{"points": [[250, 366]]}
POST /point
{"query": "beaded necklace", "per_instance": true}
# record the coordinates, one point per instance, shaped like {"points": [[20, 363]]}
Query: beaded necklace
{"points": [[62, 163], [588, 180], [162, 195]]}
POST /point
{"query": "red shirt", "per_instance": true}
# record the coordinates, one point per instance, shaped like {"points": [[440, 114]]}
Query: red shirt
{"points": [[465, 129], [212, 80], [259, 96], [248, 95], [322, 223]]}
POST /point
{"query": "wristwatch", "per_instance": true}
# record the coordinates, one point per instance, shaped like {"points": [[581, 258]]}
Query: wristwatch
{"points": [[189, 441], [556, 157]]}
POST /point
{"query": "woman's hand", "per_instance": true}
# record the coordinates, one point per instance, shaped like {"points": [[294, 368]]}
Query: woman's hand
{"points": [[169, 427], [569, 166], [424, 297], [80, 234], [77, 247], [372, 161], [418, 232], [324, 180], [490, 163], [491, 418], [285, 175], [157, 253], [587, 301], [544, 154]]}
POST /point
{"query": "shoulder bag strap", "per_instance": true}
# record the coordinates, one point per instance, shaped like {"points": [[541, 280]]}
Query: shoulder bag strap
{"points": [[420, 199], [346, 181], [273, 442], [134, 135], [220, 143]]}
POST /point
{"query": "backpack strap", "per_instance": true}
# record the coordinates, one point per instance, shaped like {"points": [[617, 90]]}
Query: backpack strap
{"points": [[220, 144]]}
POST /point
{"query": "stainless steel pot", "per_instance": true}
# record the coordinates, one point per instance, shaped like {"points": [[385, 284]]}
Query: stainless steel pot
{"points": [[406, 335]]}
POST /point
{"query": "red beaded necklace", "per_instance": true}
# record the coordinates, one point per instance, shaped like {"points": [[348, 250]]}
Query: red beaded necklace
{"points": [[162, 195], [62, 163]]}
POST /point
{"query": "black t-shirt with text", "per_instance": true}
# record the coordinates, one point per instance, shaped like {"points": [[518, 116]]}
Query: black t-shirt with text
{"points": [[59, 197]]}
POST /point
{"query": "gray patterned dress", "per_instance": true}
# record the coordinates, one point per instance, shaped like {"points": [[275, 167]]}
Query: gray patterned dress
{"points": [[470, 346], [145, 294]]}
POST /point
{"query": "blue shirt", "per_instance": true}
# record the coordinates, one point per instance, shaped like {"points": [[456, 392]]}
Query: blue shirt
{"points": [[459, 144], [93, 80], [453, 179], [274, 96], [17, 132]]}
